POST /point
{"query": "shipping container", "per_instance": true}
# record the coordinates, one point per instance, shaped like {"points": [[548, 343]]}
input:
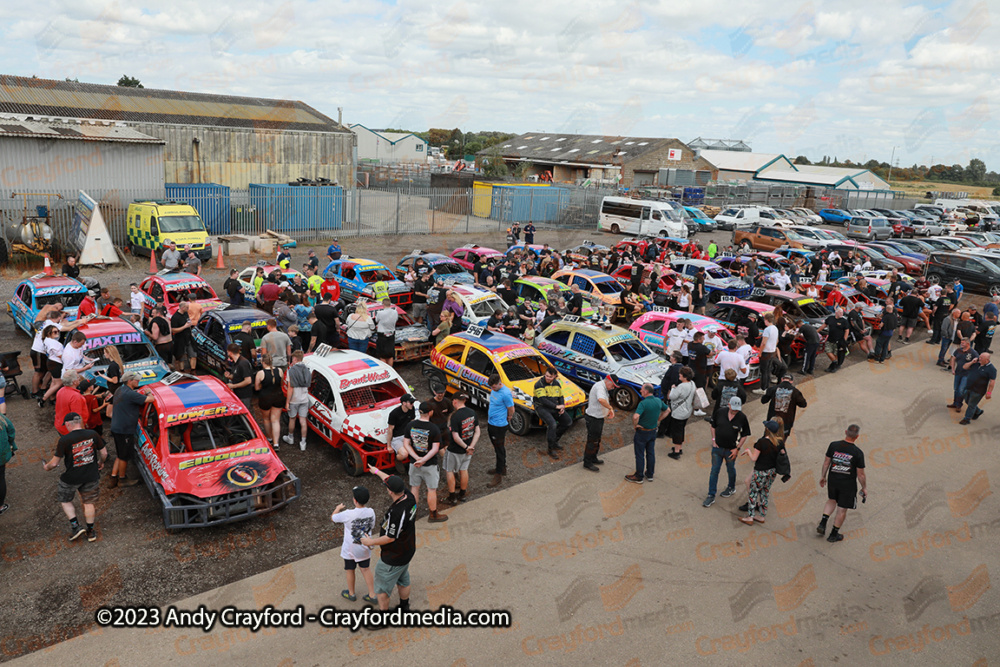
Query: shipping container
{"points": [[211, 200], [289, 208], [523, 203]]}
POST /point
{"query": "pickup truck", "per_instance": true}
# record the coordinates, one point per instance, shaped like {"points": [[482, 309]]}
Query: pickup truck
{"points": [[767, 239]]}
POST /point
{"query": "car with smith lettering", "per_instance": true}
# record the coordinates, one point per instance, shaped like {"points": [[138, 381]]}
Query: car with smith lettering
{"points": [[41, 290], [587, 353], [413, 339], [467, 255], [135, 349], [446, 269], [214, 333], [247, 275], [350, 397], [465, 361], [204, 458], [356, 277], [171, 287]]}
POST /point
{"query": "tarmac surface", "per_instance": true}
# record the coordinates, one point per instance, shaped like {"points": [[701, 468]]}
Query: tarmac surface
{"points": [[591, 567]]}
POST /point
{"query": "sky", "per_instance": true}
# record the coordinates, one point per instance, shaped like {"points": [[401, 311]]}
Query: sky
{"points": [[849, 79]]}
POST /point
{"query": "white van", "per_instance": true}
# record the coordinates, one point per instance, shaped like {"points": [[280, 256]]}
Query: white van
{"points": [[642, 217], [741, 217]]}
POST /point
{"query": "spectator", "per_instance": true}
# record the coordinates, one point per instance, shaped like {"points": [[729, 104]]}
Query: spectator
{"points": [[551, 409], [84, 454], [127, 403], [358, 524], [333, 252], [385, 327], [645, 420], [845, 463], [170, 259], [501, 411], [463, 435], [730, 429], [180, 329], [837, 327], [768, 350], [765, 456], [7, 449], [240, 375], [297, 400], [234, 289], [270, 397], [598, 409], [726, 388], [399, 419], [858, 331], [73, 358], [910, 307], [397, 538], [70, 268], [681, 400], [69, 399], [277, 344], [359, 328], [888, 323], [160, 334], [283, 311], [811, 341], [422, 441], [192, 264], [962, 361], [783, 400], [981, 377], [267, 295]]}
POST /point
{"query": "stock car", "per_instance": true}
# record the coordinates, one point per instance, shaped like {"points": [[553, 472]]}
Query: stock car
{"points": [[137, 353], [168, 287], [668, 285], [41, 290], [731, 312], [586, 353], [536, 290], [652, 329], [795, 305], [350, 398], [844, 296], [215, 331], [247, 275], [204, 458], [413, 339], [466, 256], [581, 253], [465, 361], [356, 277], [532, 249], [718, 281], [479, 304], [766, 262], [446, 269], [603, 289]]}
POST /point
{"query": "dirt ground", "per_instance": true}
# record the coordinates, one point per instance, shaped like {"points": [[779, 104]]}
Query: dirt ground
{"points": [[52, 586]]}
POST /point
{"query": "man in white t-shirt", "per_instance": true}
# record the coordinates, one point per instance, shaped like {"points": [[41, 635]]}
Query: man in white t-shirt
{"points": [[768, 350], [358, 522], [297, 401], [715, 345], [73, 358], [730, 358], [745, 350], [782, 281], [598, 409]]}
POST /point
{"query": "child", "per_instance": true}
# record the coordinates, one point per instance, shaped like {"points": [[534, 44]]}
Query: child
{"points": [[358, 523], [135, 299], [95, 405]]}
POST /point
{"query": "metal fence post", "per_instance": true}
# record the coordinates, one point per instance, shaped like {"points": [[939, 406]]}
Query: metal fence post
{"points": [[431, 201], [398, 194], [468, 209]]}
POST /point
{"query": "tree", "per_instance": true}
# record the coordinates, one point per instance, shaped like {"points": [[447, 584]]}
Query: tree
{"points": [[129, 82], [996, 191], [72, 80], [493, 165], [473, 147], [801, 159], [437, 137], [976, 171]]}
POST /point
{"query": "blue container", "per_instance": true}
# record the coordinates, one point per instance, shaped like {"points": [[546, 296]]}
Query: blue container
{"points": [[211, 200], [527, 203], [291, 208]]}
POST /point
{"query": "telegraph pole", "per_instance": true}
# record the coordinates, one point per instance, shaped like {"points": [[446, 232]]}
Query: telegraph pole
{"points": [[891, 159]]}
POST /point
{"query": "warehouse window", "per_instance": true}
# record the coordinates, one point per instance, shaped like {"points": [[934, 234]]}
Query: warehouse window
{"points": [[420, 148]]}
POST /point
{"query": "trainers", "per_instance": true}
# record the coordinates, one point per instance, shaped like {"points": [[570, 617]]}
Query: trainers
{"points": [[288, 439], [370, 600], [758, 391], [91, 535], [709, 501], [906, 340], [835, 537], [964, 422], [128, 482], [76, 532], [699, 413], [302, 445], [649, 478], [347, 596], [634, 478], [728, 492], [4, 508], [676, 456]]}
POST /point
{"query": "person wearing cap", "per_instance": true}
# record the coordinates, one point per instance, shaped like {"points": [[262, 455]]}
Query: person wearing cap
{"points": [[84, 453], [783, 400], [283, 259], [645, 420], [333, 251], [550, 406], [127, 404], [192, 264], [730, 429], [88, 306], [398, 541], [170, 259], [422, 441], [598, 409], [358, 523], [764, 455], [462, 436], [726, 388]]}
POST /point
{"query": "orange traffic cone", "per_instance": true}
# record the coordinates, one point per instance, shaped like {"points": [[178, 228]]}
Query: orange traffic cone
{"points": [[153, 269], [220, 264], [48, 266]]}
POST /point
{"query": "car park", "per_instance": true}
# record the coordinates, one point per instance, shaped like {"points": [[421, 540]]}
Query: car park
{"points": [[835, 216], [214, 333], [356, 277], [586, 353], [446, 269], [718, 281], [938, 243], [536, 290], [864, 227], [41, 290], [350, 397], [465, 361], [911, 265], [982, 239], [247, 275], [413, 339], [975, 272], [467, 256], [900, 247], [877, 259], [204, 458], [137, 352], [809, 215], [171, 288]]}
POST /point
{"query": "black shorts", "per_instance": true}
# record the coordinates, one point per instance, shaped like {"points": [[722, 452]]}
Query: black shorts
{"points": [[385, 346], [675, 429], [54, 368], [166, 351], [351, 564], [124, 445], [38, 361], [846, 495]]}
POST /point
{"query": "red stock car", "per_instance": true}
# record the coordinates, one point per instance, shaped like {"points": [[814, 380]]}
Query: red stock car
{"points": [[669, 283], [204, 458], [168, 287], [467, 255]]}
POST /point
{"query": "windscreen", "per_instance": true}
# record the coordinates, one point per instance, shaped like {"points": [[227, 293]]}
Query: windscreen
{"points": [[375, 275], [67, 300], [717, 273], [609, 287], [208, 434], [487, 307], [525, 368], [813, 310], [179, 224], [632, 350], [448, 268], [372, 396], [200, 293], [130, 352]]}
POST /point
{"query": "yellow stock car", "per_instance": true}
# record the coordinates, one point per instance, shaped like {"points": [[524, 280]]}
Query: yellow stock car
{"points": [[465, 361]]}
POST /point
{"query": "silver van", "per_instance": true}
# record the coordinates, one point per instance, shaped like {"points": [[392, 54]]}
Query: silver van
{"points": [[869, 229]]}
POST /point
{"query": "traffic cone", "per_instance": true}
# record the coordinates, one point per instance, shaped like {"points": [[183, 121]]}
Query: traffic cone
{"points": [[48, 266], [153, 269], [219, 264]]}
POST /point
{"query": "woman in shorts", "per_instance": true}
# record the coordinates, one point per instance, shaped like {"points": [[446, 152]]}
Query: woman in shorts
{"points": [[270, 397], [53, 354]]}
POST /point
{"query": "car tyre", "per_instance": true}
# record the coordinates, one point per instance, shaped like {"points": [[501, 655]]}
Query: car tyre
{"points": [[615, 229], [625, 399], [520, 422], [932, 276], [994, 289], [351, 459]]}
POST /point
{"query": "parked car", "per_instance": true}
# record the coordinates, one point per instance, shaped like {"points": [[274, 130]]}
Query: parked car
{"points": [[942, 243], [835, 216], [536, 290], [760, 237], [816, 236], [809, 215], [982, 239], [912, 266], [214, 333], [798, 306], [863, 227], [412, 341], [902, 248], [37, 291], [446, 269], [668, 285], [705, 223], [479, 304], [604, 289], [582, 253], [976, 273], [137, 353], [170, 288], [356, 277], [718, 281], [466, 256], [878, 260], [246, 279]]}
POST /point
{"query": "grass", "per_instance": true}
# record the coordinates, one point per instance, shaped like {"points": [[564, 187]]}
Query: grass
{"points": [[919, 188]]}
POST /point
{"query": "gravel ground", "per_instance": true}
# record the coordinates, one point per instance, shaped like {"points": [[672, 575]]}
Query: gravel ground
{"points": [[52, 586]]}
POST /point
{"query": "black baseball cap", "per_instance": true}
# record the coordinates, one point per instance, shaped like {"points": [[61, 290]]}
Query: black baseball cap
{"points": [[614, 379], [361, 494], [72, 417], [395, 483], [408, 399]]}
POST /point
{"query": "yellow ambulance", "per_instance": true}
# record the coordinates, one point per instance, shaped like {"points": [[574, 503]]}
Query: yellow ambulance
{"points": [[152, 222]]}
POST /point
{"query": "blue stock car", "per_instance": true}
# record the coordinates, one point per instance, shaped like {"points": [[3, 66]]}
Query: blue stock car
{"points": [[356, 277], [41, 290], [215, 331], [718, 281], [446, 269]]}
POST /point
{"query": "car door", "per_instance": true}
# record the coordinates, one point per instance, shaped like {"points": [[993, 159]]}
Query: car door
{"points": [[590, 354], [530, 293], [651, 333], [23, 309]]}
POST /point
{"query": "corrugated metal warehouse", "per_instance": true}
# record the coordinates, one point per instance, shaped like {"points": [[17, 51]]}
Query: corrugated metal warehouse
{"points": [[232, 141]]}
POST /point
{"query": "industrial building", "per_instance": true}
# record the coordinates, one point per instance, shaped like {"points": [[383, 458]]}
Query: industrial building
{"points": [[838, 178], [582, 158], [204, 138], [389, 147], [741, 165]]}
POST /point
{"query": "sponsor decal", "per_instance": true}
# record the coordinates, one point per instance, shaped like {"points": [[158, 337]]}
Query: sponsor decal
{"points": [[196, 414], [366, 378], [202, 460], [65, 289], [114, 339], [517, 354], [177, 287], [243, 475], [611, 340], [152, 460], [239, 325]]}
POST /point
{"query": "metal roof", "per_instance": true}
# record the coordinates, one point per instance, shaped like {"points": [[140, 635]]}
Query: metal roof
{"points": [[740, 161], [581, 148], [12, 127], [68, 99]]}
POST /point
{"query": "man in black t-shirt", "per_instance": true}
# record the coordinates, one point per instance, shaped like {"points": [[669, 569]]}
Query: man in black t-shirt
{"points": [[811, 338], [240, 376], [422, 441], [730, 429], [836, 327], [421, 286], [244, 338], [327, 314], [398, 539], [84, 453], [726, 388], [237, 297], [698, 354], [784, 399], [180, 329], [399, 419], [910, 307], [845, 464], [463, 434], [858, 329], [574, 303]]}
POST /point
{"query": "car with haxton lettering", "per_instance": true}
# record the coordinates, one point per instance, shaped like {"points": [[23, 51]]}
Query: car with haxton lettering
{"points": [[135, 349]]}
